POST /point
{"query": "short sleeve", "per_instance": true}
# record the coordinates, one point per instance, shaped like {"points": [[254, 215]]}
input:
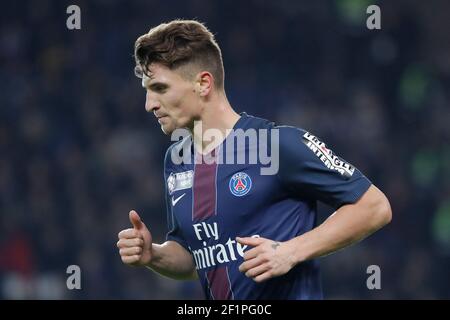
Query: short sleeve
{"points": [[309, 169]]}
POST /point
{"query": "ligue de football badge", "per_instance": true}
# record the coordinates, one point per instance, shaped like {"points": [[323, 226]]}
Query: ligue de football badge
{"points": [[240, 184], [180, 181]]}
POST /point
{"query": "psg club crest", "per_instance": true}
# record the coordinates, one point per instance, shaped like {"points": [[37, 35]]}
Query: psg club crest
{"points": [[240, 184]]}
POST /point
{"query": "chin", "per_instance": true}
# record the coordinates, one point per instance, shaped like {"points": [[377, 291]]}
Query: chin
{"points": [[169, 127], [166, 130]]}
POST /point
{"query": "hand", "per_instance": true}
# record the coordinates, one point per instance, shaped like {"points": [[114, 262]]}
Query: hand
{"points": [[135, 243], [267, 259]]}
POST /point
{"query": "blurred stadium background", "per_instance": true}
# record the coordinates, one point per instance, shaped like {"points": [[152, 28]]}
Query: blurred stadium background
{"points": [[78, 151]]}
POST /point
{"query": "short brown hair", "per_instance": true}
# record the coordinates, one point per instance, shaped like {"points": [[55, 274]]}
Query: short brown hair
{"points": [[179, 43]]}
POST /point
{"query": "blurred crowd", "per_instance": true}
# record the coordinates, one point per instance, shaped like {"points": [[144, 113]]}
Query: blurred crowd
{"points": [[78, 150]]}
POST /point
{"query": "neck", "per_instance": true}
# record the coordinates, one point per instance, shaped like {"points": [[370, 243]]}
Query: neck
{"points": [[215, 122]]}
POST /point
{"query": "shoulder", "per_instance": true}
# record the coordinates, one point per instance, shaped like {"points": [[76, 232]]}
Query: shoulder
{"points": [[290, 134], [252, 122], [293, 141], [285, 132]]}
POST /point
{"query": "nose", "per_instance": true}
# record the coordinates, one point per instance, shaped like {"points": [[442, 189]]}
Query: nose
{"points": [[151, 104]]}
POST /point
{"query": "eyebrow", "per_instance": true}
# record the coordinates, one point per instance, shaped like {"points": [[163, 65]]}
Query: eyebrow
{"points": [[154, 85]]}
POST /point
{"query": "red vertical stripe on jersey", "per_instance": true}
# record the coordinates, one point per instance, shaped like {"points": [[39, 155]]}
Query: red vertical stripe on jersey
{"points": [[205, 207], [204, 190], [219, 284]]}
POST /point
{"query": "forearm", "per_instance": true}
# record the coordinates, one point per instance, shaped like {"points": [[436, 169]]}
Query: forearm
{"points": [[349, 224], [173, 261]]}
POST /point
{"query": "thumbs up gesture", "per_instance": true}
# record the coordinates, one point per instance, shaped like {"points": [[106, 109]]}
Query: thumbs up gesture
{"points": [[135, 244]]}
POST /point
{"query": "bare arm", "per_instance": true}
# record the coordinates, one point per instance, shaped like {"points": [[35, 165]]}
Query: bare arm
{"points": [[169, 259], [349, 224]]}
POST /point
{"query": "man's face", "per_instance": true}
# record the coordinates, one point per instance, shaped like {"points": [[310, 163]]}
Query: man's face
{"points": [[171, 98]]}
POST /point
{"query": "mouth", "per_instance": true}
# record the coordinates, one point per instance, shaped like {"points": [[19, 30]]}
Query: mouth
{"points": [[160, 118], [158, 115]]}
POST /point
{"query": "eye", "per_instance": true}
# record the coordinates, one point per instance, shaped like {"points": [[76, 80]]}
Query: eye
{"points": [[159, 88]]}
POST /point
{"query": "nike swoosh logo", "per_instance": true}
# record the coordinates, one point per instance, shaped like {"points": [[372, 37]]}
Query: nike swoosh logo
{"points": [[175, 201]]}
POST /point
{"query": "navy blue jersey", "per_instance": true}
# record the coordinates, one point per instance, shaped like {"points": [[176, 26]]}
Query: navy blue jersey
{"points": [[210, 204]]}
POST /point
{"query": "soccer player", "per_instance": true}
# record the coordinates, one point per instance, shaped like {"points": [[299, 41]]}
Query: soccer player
{"points": [[242, 233]]}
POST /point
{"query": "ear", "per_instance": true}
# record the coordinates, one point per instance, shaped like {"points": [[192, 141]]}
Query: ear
{"points": [[205, 81]]}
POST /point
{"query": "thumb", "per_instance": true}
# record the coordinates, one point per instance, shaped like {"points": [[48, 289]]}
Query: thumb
{"points": [[250, 241], [135, 220]]}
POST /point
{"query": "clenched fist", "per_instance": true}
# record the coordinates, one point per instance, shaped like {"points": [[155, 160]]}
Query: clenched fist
{"points": [[135, 244]]}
